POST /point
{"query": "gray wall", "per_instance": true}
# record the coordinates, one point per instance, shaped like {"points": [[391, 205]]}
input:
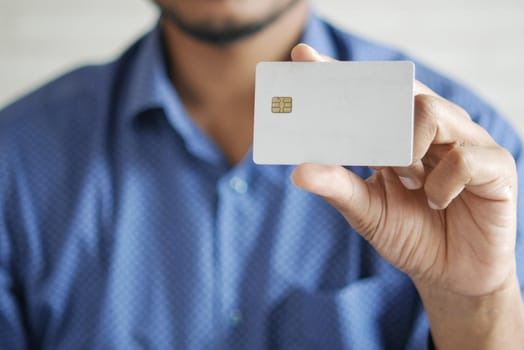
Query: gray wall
{"points": [[479, 42]]}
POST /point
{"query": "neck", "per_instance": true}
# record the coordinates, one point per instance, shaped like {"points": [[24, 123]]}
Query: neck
{"points": [[216, 82]]}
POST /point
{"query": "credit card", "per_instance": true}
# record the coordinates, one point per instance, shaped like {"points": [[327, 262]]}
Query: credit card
{"points": [[345, 113]]}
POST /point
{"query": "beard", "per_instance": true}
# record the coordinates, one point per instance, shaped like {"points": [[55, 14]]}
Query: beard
{"points": [[227, 33]]}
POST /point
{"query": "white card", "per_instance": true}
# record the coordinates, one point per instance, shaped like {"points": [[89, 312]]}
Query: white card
{"points": [[345, 113]]}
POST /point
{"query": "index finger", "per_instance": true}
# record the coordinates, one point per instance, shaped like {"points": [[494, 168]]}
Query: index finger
{"points": [[420, 88]]}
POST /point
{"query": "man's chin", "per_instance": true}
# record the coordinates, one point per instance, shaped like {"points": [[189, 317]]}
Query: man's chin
{"points": [[227, 33], [223, 36]]}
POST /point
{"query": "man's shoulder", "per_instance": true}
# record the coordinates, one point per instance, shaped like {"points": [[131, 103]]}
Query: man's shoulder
{"points": [[78, 96], [55, 116], [78, 90], [351, 46], [62, 119]]}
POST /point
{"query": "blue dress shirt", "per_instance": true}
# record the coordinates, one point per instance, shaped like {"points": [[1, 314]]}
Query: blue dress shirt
{"points": [[122, 226]]}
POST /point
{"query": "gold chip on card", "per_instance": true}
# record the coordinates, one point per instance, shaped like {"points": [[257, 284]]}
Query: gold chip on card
{"points": [[281, 104]]}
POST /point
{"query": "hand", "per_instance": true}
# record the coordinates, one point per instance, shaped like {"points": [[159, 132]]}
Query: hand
{"points": [[448, 220]]}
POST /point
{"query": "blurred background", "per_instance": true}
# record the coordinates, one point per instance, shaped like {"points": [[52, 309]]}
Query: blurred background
{"points": [[478, 42]]}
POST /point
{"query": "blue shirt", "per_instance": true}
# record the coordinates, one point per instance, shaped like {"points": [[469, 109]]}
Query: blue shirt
{"points": [[122, 226]]}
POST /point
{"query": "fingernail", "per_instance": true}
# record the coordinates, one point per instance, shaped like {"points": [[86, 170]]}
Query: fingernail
{"points": [[315, 53], [432, 205], [409, 183]]}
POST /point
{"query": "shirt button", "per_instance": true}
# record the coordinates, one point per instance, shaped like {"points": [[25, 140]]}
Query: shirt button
{"points": [[238, 185], [235, 317]]}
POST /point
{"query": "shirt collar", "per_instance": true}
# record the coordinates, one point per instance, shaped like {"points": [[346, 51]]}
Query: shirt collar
{"points": [[141, 92], [149, 86]]}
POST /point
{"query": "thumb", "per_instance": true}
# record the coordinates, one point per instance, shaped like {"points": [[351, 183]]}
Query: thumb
{"points": [[347, 192], [305, 53]]}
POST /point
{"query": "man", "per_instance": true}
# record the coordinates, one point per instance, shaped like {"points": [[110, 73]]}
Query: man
{"points": [[132, 216]]}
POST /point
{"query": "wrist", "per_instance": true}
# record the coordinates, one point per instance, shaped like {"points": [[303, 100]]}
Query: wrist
{"points": [[491, 321]]}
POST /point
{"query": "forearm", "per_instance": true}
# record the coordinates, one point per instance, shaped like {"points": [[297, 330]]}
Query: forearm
{"points": [[495, 321]]}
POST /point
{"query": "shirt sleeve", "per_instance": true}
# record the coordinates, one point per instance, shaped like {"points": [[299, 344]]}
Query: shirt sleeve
{"points": [[12, 330], [520, 221]]}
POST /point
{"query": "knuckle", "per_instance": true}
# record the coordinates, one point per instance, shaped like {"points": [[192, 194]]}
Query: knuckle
{"points": [[460, 160], [506, 155], [425, 105], [460, 112], [433, 191], [426, 124], [426, 111], [508, 162]]}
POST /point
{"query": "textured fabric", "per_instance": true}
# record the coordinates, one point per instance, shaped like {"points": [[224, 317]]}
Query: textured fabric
{"points": [[123, 227]]}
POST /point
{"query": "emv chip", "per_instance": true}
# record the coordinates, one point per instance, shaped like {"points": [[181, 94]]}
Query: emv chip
{"points": [[282, 105]]}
